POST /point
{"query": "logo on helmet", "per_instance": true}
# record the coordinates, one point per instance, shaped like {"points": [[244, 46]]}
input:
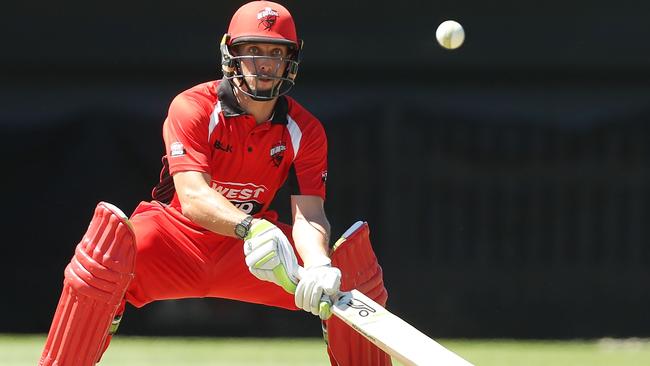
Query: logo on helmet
{"points": [[267, 18]]}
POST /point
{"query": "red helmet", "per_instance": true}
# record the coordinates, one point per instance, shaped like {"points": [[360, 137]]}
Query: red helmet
{"points": [[261, 22]]}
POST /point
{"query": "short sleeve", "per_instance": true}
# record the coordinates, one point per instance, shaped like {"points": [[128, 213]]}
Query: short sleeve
{"points": [[310, 164], [185, 132]]}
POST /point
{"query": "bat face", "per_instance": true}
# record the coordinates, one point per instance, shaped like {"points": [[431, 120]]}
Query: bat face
{"points": [[392, 334]]}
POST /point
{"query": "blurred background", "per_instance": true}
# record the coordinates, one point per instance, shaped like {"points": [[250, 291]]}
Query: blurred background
{"points": [[506, 183]]}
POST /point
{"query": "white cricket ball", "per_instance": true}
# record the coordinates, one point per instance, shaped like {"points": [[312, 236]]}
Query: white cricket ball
{"points": [[450, 34]]}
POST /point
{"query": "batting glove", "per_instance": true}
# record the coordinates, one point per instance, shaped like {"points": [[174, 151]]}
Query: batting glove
{"points": [[270, 256], [315, 282]]}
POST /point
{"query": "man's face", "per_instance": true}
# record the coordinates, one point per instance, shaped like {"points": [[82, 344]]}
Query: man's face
{"points": [[262, 72]]}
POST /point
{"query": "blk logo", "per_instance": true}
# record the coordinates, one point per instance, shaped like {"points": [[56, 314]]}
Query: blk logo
{"points": [[220, 146]]}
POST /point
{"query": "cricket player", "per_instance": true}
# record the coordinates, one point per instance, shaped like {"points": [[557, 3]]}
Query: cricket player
{"points": [[208, 232]]}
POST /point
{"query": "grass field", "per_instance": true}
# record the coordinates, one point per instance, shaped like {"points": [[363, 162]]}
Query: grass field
{"points": [[137, 351]]}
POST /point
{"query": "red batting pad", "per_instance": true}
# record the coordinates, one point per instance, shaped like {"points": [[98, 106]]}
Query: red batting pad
{"points": [[94, 285], [360, 269]]}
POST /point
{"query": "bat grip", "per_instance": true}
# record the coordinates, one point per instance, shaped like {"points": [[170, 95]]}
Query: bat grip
{"points": [[325, 307]]}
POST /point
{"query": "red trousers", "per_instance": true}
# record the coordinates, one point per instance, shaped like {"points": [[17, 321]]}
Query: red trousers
{"points": [[175, 260]]}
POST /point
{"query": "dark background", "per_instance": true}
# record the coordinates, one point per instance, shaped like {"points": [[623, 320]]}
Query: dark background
{"points": [[505, 183]]}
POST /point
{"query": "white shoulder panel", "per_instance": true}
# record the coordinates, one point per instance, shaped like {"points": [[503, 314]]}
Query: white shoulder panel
{"points": [[214, 119], [296, 135]]}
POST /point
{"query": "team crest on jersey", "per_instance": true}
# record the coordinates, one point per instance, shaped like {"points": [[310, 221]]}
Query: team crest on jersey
{"points": [[176, 149], [323, 176], [267, 18], [277, 153]]}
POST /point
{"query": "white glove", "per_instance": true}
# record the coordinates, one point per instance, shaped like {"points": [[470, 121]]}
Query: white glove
{"points": [[314, 283], [270, 256]]}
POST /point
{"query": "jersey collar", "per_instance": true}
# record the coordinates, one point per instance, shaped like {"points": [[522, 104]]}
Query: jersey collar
{"points": [[230, 107]]}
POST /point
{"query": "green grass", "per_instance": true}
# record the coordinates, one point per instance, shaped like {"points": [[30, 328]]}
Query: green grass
{"points": [[139, 351]]}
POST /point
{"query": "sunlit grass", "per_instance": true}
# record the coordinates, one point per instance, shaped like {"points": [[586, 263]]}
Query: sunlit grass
{"points": [[25, 350]]}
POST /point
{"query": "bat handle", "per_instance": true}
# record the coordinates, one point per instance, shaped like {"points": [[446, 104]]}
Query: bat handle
{"points": [[325, 307]]}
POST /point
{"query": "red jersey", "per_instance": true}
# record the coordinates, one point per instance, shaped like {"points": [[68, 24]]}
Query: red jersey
{"points": [[207, 131]]}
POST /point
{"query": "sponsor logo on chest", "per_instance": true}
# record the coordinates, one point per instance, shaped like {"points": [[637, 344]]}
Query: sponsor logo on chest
{"points": [[245, 196]]}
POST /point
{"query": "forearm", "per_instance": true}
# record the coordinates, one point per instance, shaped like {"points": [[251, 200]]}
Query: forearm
{"points": [[209, 209], [311, 238]]}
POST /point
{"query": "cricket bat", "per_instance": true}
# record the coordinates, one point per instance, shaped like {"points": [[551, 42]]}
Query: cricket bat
{"points": [[384, 329], [390, 333]]}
